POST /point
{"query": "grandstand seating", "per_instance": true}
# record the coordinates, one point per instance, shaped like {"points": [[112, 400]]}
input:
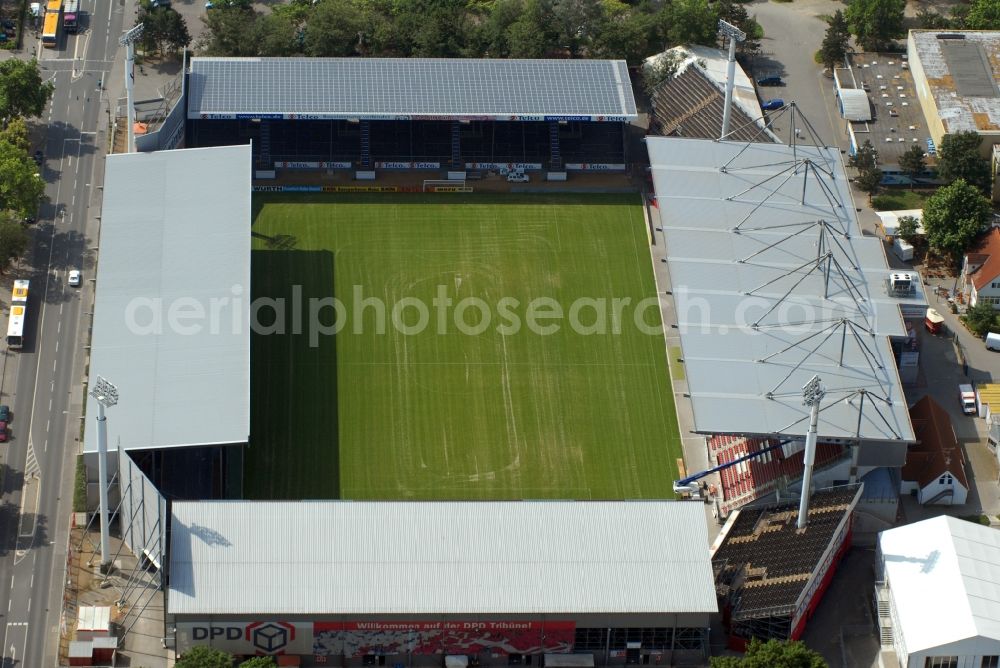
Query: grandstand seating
{"points": [[752, 479], [416, 141]]}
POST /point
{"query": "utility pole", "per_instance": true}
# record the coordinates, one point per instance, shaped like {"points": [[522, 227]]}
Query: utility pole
{"points": [[106, 395], [735, 35], [128, 41], [812, 394]]}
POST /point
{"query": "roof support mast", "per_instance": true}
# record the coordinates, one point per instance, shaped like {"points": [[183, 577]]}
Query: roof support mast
{"points": [[106, 395], [128, 41], [735, 35], [812, 395]]}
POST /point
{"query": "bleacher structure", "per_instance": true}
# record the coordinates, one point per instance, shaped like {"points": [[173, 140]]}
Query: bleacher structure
{"points": [[413, 113], [769, 575], [771, 471]]}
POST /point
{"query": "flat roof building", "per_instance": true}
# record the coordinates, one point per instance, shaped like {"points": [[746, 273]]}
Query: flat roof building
{"points": [[410, 581], [938, 593], [956, 74], [171, 318]]}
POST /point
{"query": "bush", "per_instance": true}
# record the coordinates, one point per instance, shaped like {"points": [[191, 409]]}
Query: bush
{"points": [[80, 487], [977, 519], [980, 318]]}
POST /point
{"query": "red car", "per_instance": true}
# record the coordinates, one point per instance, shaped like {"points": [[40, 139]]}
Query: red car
{"points": [[3, 432]]}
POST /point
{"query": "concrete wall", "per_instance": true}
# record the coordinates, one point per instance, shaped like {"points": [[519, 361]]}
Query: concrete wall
{"points": [[927, 104], [970, 652]]}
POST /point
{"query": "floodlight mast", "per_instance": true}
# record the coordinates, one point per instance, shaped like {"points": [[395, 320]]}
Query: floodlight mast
{"points": [[128, 41], [106, 395], [812, 394], [735, 35]]}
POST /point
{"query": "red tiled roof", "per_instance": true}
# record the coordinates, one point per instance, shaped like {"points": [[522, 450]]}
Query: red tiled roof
{"points": [[937, 450], [987, 250]]}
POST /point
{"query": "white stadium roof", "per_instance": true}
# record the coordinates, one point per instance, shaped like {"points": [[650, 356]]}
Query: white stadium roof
{"points": [[344, 557], [774, 283], [175, 235], [944, 574]]}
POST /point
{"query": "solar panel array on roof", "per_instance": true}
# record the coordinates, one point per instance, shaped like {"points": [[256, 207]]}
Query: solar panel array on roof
{"points": [[969, 68], [410, 89]]}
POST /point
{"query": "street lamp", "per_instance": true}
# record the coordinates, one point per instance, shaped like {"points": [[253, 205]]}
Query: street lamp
{"points": [[106, 395], [128, 41], [812, 394], [735, 35]]}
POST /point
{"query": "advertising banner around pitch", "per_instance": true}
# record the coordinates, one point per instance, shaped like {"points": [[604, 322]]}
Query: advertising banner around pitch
{"points": [[248, 637], [354, 639]]}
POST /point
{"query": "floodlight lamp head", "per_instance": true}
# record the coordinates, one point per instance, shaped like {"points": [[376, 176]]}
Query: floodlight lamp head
{"points": [[132, 35], [105, 392], [813, 392], [727, 29]]}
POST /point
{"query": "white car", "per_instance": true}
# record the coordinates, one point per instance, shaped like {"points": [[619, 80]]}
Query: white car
{"points": [[74, 278]]}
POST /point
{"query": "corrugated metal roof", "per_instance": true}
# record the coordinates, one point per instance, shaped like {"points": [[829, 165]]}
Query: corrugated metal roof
{"points": [[393, 88], [944, 575], [855, 104], [175, 237], [342, 557], [745, 227]]}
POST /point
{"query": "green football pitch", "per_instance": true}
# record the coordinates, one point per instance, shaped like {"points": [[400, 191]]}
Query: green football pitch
{"points": [[434, 401]]}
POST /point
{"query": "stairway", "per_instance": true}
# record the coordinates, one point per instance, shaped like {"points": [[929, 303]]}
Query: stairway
{"points": [[456, 145], [884, 612], [265, 144], [366, 145], [555, 160]]}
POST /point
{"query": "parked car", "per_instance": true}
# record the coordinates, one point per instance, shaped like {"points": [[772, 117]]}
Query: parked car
{"points": [[770, 80], [992, 341], [772, 105], [3, 432], [4, 413], [518, 177], [39, 158], [74, 278]]}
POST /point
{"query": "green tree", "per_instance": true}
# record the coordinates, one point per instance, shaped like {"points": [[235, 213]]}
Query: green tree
{"points": [[983, 15], [21, 186], [627, 33], [689, 22], [333, 29], [868, 181], [16, 134], [875, 23], [230, 30], [836, 42], [278, 34], [912, 163], [980, 318], [22, 92], [14, 240], [164, 28], [660, 69], [259, 662], [865, 158], [204, 656], [959, 158], [928, 19], [907, 230], [530, 36], [954, 216], [772, 654]]}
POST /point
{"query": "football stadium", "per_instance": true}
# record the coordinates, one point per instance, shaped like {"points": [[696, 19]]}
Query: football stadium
{"points": [[417, 428]]}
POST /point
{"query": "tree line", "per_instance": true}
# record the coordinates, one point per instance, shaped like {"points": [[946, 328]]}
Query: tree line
{"points": [[470, 28], [23, 95]]}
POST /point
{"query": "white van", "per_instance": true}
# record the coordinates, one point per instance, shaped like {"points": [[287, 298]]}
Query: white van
{"points": [[993, 341]]}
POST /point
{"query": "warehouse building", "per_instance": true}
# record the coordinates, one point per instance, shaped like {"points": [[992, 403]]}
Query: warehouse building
{"points": [[398, 583], [955, 73], [938, 594]]}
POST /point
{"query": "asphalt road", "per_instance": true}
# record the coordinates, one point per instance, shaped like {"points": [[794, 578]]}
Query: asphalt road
{"points": [[793, 32], [38, 380]]}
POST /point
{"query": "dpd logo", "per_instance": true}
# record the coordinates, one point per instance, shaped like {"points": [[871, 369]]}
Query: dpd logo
{"points": [[270, 637]]}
